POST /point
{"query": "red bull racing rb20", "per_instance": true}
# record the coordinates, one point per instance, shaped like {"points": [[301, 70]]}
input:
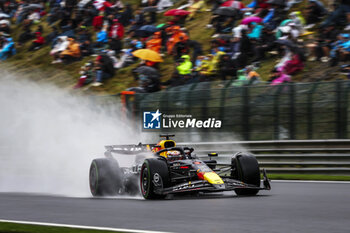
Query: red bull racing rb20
{"points": [[164, 168]]}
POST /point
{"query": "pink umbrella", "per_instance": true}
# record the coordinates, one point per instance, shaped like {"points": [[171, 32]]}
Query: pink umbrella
{"points": [[234, 4], [251, 19]]}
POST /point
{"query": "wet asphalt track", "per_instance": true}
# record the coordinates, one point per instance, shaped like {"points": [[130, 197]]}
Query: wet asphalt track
{"points": [[288, 207]]}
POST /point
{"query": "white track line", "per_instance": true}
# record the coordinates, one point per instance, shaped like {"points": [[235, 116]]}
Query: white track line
{"points": [[311, 181], [79, 226]]}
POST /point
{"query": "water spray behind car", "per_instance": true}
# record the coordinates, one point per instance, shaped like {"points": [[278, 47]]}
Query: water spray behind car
{"points": [[48, 137]]}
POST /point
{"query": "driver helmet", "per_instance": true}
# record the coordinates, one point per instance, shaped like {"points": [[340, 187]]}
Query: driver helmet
{"points": [[173, 155]]}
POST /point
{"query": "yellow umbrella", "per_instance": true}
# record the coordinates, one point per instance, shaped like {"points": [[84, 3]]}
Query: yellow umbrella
{"points": [[147, 54], [306, 33]]}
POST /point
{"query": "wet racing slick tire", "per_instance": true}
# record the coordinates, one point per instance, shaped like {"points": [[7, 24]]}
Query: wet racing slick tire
{"points": [[246, 169], [105, 177], [154, 175]]}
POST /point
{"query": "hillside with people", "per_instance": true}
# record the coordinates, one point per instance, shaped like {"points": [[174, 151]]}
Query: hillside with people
{"points": [[105, 47]]}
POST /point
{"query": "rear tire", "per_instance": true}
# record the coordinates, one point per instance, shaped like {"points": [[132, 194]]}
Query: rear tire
{"points": [[246, 169], [105, 177], [154, 174]]}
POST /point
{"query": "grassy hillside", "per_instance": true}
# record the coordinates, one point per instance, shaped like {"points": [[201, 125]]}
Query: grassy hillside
{"points": [[37, 65]]}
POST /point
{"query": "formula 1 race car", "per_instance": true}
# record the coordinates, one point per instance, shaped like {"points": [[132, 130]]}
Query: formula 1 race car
{"points": [[164, 168]]}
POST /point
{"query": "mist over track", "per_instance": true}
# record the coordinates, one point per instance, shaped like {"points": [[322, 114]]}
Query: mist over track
{"points": [[49, 137]]}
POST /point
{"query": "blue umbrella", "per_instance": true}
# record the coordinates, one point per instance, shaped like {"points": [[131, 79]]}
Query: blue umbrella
{"points": [[146, 30], [149, 28]]}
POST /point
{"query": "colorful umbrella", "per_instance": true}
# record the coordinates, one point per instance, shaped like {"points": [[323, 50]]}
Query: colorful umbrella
{"points": [[251, 19], [3, 15], [149, 28], [226, 11], [32, 7], [150, 9], [176, 12], [277, 2], [146, 30], [287, 43], [235, 4], [146, 70], [148, 55], [4, 21]]}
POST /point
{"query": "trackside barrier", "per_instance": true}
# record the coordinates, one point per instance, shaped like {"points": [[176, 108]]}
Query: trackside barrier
{"points": [[330, 157], [293, 111]]}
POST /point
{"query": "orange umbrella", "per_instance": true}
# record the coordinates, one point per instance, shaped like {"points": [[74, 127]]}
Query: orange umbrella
{"points": [[147, 54]]}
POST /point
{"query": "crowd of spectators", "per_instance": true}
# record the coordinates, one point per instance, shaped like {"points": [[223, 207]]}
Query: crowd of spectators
{"points": [[115, 34]]}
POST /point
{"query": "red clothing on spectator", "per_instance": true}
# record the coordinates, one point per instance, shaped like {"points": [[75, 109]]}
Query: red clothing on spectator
{"points": [[116, 31], [97, 22], [263, 4], [293, 66], [39, 39]]}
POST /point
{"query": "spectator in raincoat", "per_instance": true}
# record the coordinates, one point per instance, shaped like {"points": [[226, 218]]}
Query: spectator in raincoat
{"points": [[256, 31], [176, 36], [61, 45], [216, 59], [5, 26], [101, 38], [147, 84], [115, 36], [33, 16], [182, 73], [155, 42], [8, 48], [320, 48], [275, 15], [294, 65], [38, 42], [72, 52], [104, 69], [298, 20], [226, 67], [314, 12], [241, 78], [181, 48], [338, 16], [340, 48], [87, 75], [116, 30], [97, 22], [207, 68], [185, 67], [252, 76]]}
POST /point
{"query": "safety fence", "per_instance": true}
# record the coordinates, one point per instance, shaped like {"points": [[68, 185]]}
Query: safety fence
{"points": [[256, 112], [330, 157]]}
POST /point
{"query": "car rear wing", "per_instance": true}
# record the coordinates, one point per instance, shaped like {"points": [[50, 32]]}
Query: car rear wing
{"points": [[130, 149]]}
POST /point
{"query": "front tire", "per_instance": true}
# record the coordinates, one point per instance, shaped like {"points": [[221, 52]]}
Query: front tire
{"points": [[154, 175], [105, 177], [246, 169]]}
